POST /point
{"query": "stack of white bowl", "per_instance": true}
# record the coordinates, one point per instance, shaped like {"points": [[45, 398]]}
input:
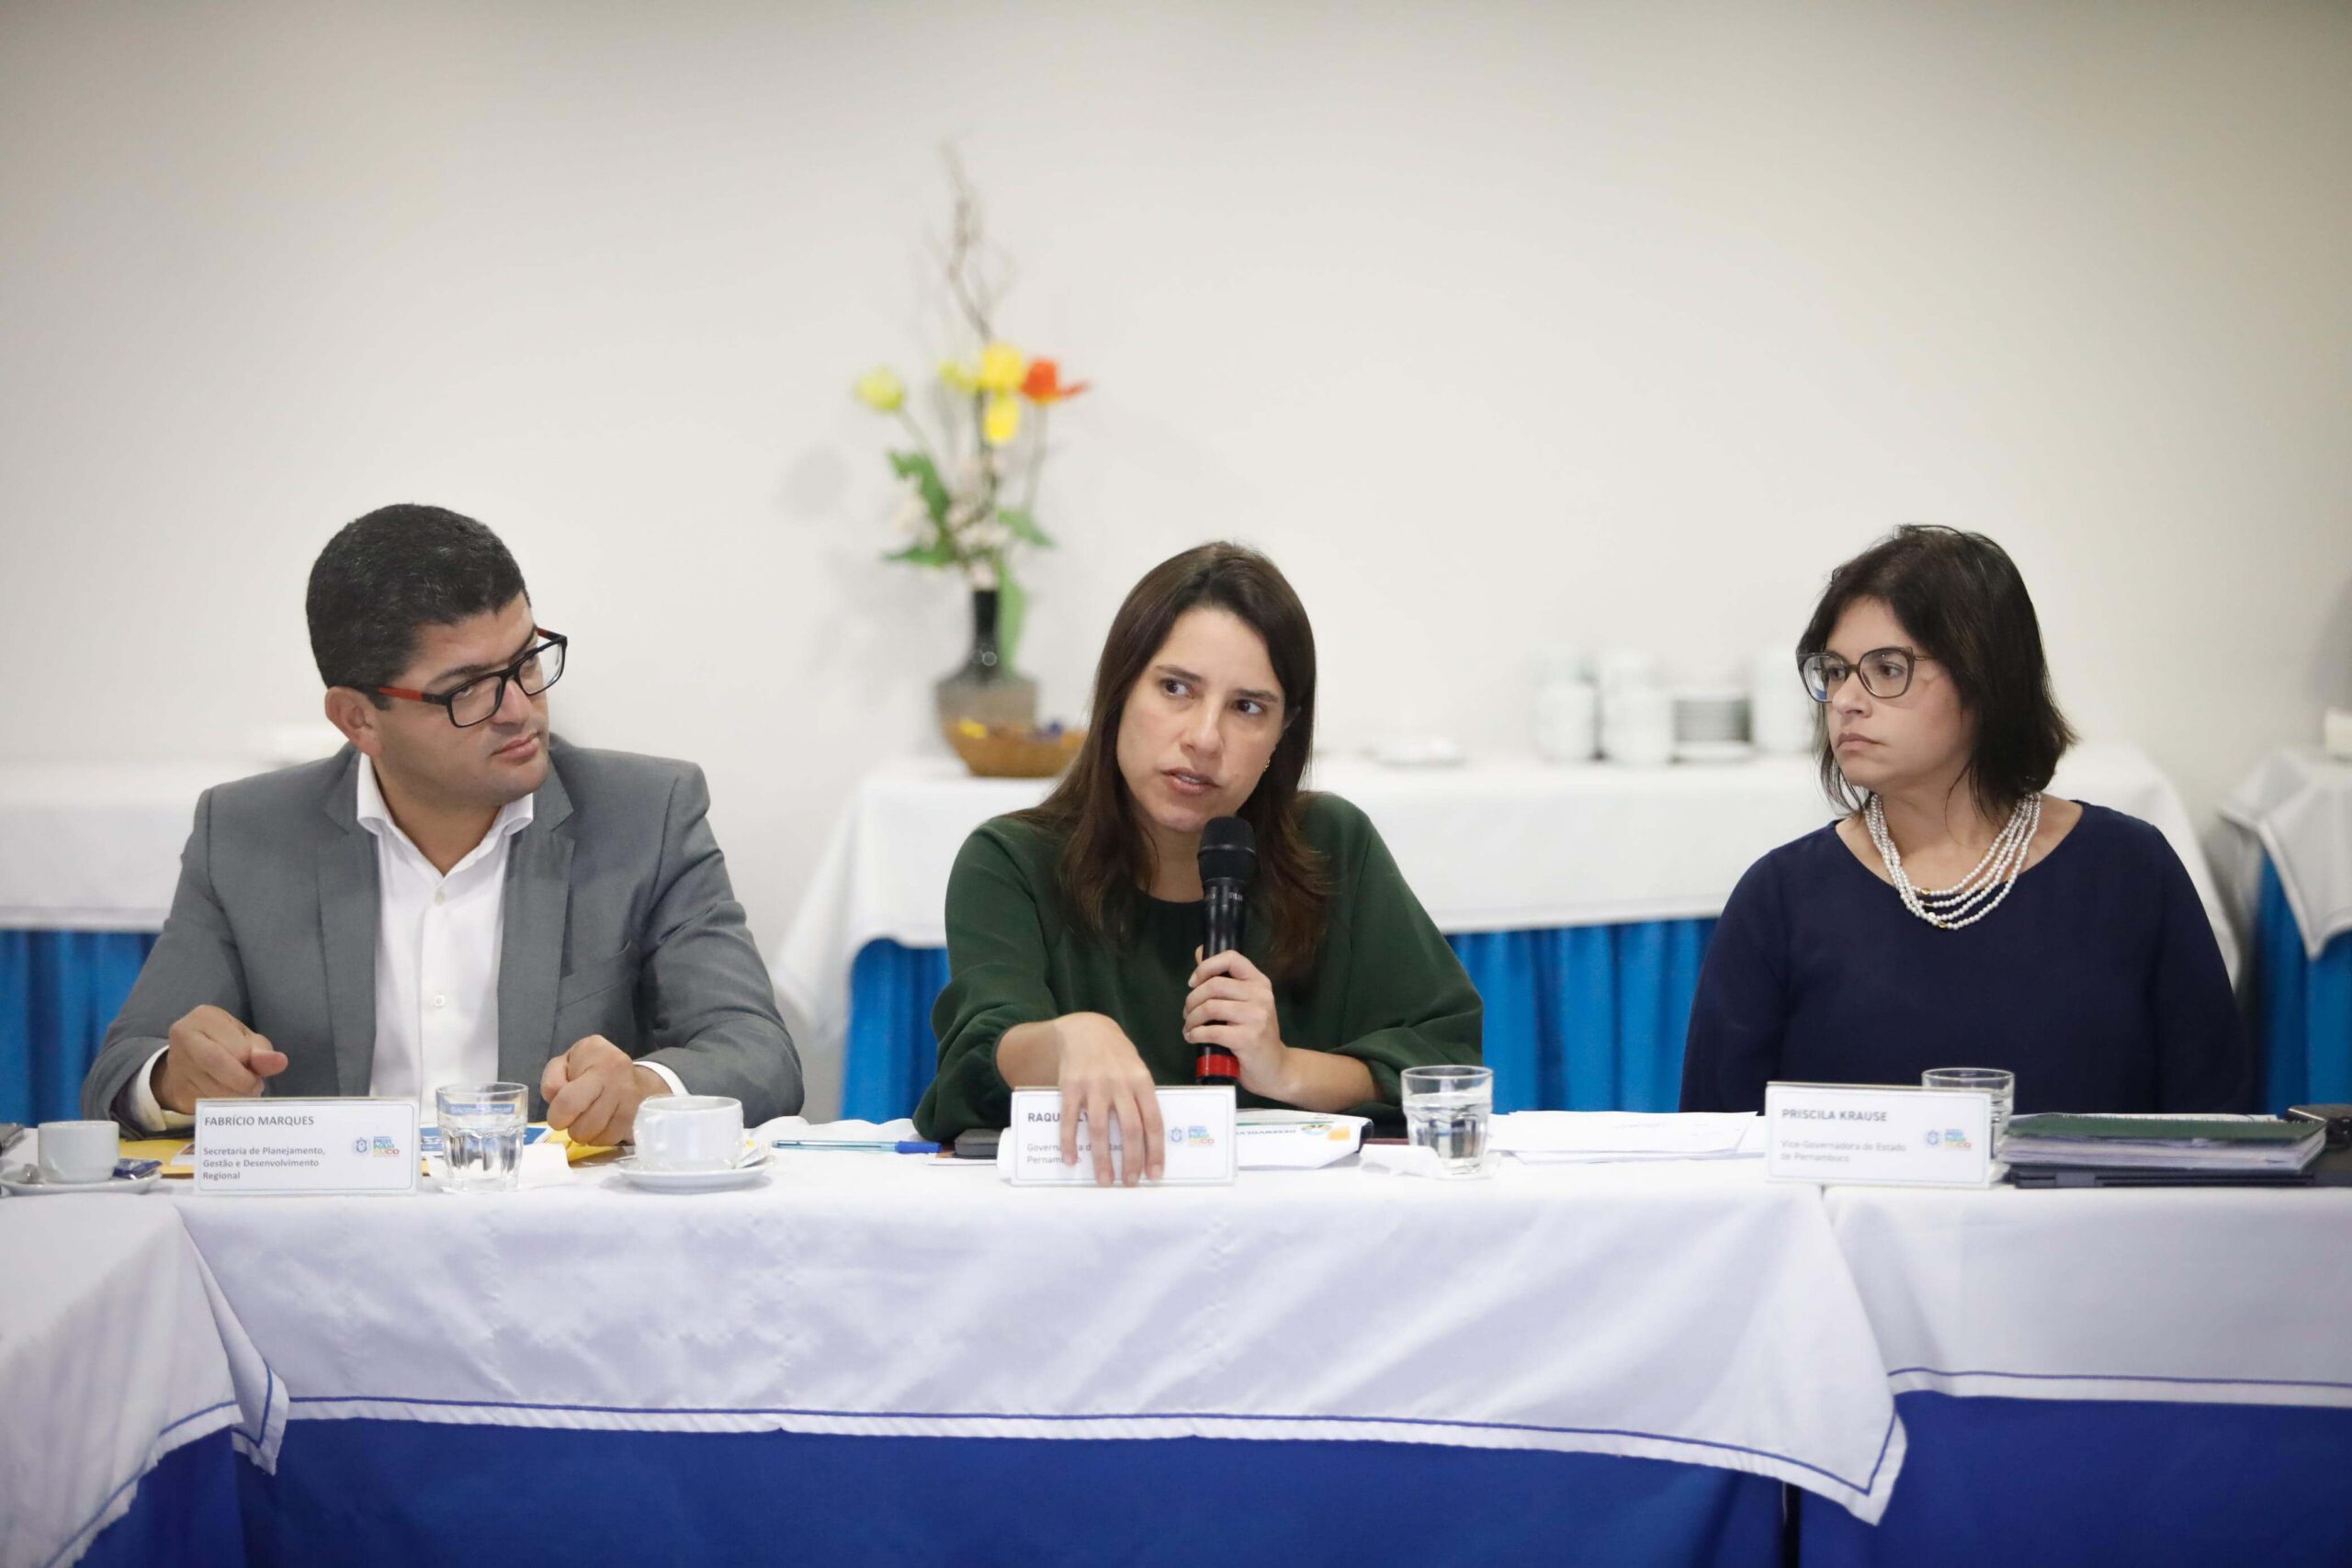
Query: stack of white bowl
{"points": [[1567, 706], [1711, 725], [1780, 712], [1636, 714]]}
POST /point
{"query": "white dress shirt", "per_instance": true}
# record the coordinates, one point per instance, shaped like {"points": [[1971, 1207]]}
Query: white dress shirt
{"points": [[438, 943]]}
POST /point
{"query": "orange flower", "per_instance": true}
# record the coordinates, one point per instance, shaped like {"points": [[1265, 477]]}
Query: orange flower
{"points": [[1044, 383]]}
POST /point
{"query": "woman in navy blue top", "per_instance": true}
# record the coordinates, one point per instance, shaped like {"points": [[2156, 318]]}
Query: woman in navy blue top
{"points": [[1957, 915]]}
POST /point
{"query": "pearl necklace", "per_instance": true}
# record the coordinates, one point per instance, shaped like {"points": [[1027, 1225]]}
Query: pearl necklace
{"points": [[1958, 905]]}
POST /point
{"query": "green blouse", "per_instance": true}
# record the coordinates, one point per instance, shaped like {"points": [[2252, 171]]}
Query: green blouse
{"points": [[1384, 988]]}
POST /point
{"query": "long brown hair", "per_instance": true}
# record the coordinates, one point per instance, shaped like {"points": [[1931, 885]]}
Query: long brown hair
{"points": [[1108, 856]]}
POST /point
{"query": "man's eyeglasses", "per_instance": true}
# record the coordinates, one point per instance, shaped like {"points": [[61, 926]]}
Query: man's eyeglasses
{"points": [[540, 667], [1885, 672]]}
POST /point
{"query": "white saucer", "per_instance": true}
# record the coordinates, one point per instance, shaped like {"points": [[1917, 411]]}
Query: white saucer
{"points": [[754, 1170], [1418, 751], [24, 1181]]}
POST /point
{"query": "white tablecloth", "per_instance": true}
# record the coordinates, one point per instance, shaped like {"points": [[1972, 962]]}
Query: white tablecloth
{"points": [[97, 847], [2189, 1295], [112, 1355], [2296, 808], [1493, 845], [1689, 1313], [1686, 1312]]}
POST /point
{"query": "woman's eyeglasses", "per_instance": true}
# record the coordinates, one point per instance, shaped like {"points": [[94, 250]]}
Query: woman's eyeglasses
{"points": [[1885, 672]]}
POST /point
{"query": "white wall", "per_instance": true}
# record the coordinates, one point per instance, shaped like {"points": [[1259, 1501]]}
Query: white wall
{"points": [[1607, 322]]}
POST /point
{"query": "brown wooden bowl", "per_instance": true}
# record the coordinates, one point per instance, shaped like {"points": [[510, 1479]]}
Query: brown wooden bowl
{"points": [[1013, 751]]}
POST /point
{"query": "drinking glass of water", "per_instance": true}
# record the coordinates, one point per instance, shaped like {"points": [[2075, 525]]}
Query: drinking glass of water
{"points": [[1997, 1082], [1446, 1111], [481, 1135]]}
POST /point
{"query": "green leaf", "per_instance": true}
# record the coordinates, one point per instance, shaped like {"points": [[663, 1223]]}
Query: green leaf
{"points": [[1012, 610], [936, 552], [1024, 527], [917, 467]]}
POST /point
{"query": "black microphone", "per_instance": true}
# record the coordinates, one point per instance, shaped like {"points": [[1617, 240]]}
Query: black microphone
{"points": [[1228, 859]]}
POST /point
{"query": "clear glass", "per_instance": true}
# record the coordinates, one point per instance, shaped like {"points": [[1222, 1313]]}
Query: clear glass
{"points": [[1446, 1111], [1998, 1082], [481, 1135]]}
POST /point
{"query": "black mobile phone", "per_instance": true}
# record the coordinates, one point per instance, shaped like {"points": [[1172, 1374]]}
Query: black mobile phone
{"points": [[978, 1142]]}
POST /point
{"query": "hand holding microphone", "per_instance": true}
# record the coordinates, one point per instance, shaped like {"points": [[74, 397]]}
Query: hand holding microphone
{"points": [[1229, 1017], [1229, 1013]]}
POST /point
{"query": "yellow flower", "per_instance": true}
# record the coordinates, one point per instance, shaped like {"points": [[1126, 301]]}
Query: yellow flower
{"points": [[1002, 369], [881, 391], [1001, 421], [958, 375]]}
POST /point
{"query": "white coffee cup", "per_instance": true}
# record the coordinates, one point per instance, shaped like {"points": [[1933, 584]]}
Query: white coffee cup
{"points": [[1566, 721], [1614, 669], [73, 1152], [1637, 725], [684, 1133], [1779, 711]]}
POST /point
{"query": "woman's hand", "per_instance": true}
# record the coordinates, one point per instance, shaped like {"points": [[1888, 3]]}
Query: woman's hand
{"points": [[1103, 1077], [1232, 1005]]}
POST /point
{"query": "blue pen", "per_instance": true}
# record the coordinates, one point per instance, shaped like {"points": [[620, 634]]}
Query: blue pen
{"points": [[901, 1146]]}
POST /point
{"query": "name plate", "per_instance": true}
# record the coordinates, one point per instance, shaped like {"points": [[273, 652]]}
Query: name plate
{"points": [[1198, 1119], [1878, 1134], [285, 1147]]}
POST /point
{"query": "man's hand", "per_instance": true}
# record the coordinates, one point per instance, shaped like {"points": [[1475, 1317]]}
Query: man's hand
{"points": [[594, 1089], [210, 1055]]}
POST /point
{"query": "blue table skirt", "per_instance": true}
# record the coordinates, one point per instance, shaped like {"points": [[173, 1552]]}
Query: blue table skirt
{"points": [[186, 1512], [58, 992], [1584, 1017], [402, 1493], [2302, 1009], [2137, 1485], [1591, 1018], [1986, 1480]]}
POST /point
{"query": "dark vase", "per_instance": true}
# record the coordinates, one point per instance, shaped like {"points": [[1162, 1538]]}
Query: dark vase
{"points": [[986, 690]]}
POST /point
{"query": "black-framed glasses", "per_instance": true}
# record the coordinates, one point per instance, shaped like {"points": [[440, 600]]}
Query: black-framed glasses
{"points": [[540, 666], [1885, 672]]}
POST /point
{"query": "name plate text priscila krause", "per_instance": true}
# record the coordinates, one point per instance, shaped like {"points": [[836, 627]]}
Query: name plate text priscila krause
{"points": [[1878, 1134]]}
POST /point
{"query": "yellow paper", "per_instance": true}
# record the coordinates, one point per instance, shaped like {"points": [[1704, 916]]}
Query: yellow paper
{"points": [[177, 1154], [573, 1154]]}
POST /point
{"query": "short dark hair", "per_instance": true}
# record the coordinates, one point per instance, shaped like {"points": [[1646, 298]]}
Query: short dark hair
{"points": [[1960, 598], [385, 577], [1107, 855]]}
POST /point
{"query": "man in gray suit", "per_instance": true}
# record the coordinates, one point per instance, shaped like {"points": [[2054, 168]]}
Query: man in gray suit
{"points": [[454, 896]]}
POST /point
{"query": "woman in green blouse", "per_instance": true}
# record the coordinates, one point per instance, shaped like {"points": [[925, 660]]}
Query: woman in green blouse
{"points": [[1074, 930]]}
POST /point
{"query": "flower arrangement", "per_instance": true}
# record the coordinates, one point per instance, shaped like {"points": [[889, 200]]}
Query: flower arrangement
{"points": [[971, 494]]}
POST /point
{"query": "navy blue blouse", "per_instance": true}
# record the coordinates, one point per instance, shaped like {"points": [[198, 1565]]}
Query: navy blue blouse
{"points": [[2097, 982]]}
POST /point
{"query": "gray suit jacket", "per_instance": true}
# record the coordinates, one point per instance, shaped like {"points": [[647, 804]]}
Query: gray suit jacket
{"points": [[619, 921]]}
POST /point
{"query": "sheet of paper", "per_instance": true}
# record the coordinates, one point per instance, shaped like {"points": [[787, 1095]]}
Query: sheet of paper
{"points": [[1294, 1140], [1556, 1136]]}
